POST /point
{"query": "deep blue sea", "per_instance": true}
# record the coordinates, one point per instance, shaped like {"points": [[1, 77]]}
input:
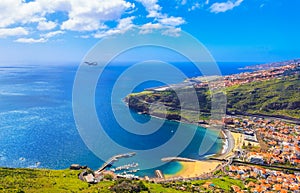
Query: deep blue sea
{"points": [[37, 127]]}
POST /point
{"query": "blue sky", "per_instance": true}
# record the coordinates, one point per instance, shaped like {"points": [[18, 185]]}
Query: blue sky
{"points": [[64, 30]]}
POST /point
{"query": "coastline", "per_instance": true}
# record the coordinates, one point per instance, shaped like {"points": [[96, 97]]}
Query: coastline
{"points": [[204, 126], [229, 140], [194, 169], [226, 134], [197, 168], [202, 167], [228, 144]]}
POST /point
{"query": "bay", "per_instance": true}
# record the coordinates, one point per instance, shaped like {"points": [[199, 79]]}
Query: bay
{"points": [[37, 126]]}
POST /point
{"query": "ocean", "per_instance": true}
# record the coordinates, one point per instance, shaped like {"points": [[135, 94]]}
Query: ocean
{"points": [[37, 126]]}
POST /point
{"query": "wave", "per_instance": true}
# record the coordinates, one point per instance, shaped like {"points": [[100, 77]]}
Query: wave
{"points": [[41, 82], [14, 112], [225, 146], [12, 94]]}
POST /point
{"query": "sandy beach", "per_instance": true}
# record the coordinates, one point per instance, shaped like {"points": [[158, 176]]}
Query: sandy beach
{"points": [[229, 144], [193, 169], [232, 142]]}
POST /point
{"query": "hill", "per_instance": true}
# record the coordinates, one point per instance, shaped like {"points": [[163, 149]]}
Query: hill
{"points": [[279, 97]]}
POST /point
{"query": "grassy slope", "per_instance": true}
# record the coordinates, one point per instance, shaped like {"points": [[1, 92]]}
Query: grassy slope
{"points": [[43, 180], [272, 97], [29, 180]]}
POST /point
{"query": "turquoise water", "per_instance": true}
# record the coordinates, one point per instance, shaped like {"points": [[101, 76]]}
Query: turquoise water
{"points": [[37, 127], [172, 168]]}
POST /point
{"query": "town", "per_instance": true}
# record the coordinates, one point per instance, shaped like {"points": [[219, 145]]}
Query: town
{"points": [[274, 154], [267, 73]]}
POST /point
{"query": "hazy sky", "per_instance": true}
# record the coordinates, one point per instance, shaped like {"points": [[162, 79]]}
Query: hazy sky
{"points": [[47, 31]]}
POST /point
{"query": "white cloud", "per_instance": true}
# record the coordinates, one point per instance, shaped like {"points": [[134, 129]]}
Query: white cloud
{"points": [[123, 26], [52, 34], [167, 24], [46, 25], [172, 21], [149, 27], [16, 11], [81, 24], [152, 7], [126, 23], [196, 6], [165, 30], [172, 32], [90, 15], [18, 17], [43, 37], [18, 31], [83, 15], [31, 40], [225, 6], [54, 6]]}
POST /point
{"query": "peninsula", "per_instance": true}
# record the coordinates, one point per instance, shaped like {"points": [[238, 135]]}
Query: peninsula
{"points": [[273, 92]]}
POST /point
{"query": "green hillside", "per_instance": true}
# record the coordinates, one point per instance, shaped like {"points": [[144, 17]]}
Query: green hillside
{"points": [[44, 180], [276, 97]]}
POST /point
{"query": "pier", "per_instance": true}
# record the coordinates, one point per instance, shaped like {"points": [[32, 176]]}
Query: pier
{"points": [[167, 159], [114, 159]]}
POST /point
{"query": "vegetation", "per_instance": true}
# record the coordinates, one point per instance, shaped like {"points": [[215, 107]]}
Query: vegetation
{"points": [[276, 97], [34, 180], [124, 185], [168, 102], [222, 184], [43, 180]]}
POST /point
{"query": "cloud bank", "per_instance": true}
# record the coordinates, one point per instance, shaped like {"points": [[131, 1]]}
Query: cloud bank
{"points": [[37, 21]]}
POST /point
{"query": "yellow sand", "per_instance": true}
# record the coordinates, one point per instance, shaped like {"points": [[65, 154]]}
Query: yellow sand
{"points": [[193, 169]]}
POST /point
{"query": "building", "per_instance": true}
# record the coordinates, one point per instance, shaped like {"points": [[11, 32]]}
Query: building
{"points": [[256, 159]]}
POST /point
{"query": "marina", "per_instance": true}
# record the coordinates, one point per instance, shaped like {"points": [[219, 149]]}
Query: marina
{"points": [[125, 167]]}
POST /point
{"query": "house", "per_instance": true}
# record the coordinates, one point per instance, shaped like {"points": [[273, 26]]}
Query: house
{"points": [[75, 167], [256, 159], [89, 178]]}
